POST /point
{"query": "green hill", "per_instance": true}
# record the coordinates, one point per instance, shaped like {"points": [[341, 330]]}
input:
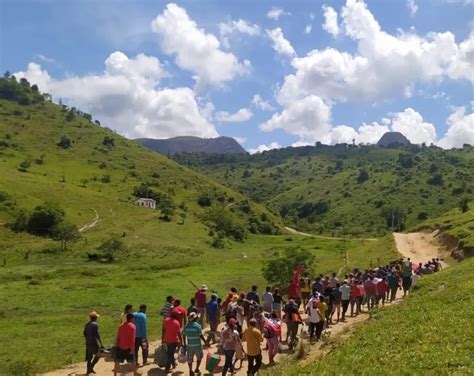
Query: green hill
{"points": [[51, 153], [347, 189]]}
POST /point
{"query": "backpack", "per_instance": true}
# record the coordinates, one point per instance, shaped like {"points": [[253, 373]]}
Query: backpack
{"points": [[273, 328]]}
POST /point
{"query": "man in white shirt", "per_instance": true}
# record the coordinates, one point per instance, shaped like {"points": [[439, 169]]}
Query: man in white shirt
{"points": [[267, 298], [314, 316], [345, 297]]}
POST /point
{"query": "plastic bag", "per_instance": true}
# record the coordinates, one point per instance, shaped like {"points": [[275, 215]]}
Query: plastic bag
{"points": [[182, 358], [161, 355]]}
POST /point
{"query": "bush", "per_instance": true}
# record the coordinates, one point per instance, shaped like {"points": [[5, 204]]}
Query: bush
{"points": [[111, 247], [422, 216], [108, 141], [363, 176], [44, 219], [222, 220], [279, 267], [204, 200], [64, 142], [24, 166], [436, 179]]}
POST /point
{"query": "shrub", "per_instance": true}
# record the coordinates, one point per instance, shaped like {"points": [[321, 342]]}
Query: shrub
{"points": [[204, 200], [64, 142], [44, 219], [422, 216], [111, 247], [436, 179], [108, 141], [363, 176]]}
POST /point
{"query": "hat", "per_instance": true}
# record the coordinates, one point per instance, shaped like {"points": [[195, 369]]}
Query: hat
{"points": [[203, 287], [232, 321], [193, 316], [94, 314]]}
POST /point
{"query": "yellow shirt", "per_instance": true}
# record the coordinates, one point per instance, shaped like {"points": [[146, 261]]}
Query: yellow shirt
{"points": [[253, 337]]}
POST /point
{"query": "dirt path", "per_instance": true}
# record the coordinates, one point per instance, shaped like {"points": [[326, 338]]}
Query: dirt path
{"points": [[296, 232], [419, 246], [88, 226]]}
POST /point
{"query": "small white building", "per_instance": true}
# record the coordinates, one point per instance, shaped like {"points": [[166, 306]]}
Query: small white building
{"points": [[146, 203]]}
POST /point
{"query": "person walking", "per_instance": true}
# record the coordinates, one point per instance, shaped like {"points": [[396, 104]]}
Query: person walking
{"points": [[314, 317], [253, 337], [93, 341], [293, 320], [201, 302], [125, 345], [192, 337], [141, 340], [406, 276], [267, 300], [271, 332], [337, 299], [277, 302], [323, 308], [230, 340], [305, 284], [345, 297], [172, 338], [180, 312], [123, 316], [392, 280], [212, 312]]}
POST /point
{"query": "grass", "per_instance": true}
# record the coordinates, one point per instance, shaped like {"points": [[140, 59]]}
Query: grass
{"points": [[45, 299], [286, 180], [430, 333], [456, 225]]}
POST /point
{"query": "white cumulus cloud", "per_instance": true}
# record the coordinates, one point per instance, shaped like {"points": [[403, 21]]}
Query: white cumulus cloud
{"points": [[196, 51], [460, 131], [411, 124], [412, 7], [308, 118], [307, 29], [126, 98], [330, 21], [261, 104], [239, 26], [263, 147], [275, 13], [241, 115], [279, 43]]}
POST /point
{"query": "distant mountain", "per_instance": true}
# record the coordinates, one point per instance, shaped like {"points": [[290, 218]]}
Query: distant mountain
{"points": [[189, 144], [393, 139]]}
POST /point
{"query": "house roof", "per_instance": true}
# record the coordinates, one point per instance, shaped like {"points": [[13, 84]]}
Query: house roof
{"points": [[145, 199]]}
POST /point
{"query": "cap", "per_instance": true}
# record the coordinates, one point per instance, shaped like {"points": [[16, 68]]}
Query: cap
{"points": [[232, 321], [193, 316], [94, 314], [203, 287]]}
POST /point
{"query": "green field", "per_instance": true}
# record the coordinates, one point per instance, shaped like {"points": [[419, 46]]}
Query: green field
{"points": [[428, 334], [45, 299]]}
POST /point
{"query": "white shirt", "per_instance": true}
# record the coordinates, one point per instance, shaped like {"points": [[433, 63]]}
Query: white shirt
{"points": [[345, 292], [314, 314], [414, 279]]}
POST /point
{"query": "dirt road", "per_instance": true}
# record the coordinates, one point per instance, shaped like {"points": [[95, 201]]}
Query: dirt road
{"points": [[296, 232], [419, 246], [88, 226]]}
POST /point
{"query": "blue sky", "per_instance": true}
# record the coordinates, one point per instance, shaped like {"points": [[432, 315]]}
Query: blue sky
{"points": [[383, 65]]}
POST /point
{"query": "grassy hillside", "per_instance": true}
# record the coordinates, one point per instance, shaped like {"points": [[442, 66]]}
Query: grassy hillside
{"points": [[428, 334], [347, 189], [46, 292], [455, 224], [94, 170]]}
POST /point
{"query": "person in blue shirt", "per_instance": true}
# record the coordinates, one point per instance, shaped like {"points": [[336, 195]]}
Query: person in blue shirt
{"points": [[212, 312], [141, 340]]}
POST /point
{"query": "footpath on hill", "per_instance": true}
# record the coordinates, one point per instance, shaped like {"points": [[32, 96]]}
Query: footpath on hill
{"points": [[420, 247]]}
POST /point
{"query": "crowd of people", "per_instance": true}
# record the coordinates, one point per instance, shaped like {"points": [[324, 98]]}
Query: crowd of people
{"points": [[250, 318]]}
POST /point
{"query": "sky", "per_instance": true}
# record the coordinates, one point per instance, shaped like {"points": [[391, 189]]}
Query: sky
{"points": [[268, 73]]}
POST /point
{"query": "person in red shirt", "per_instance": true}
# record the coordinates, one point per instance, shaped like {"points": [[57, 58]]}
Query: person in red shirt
{"points": [[201, 302], [172, 338], [180, 312], [370, 287], [125, 344], [382, 288]]}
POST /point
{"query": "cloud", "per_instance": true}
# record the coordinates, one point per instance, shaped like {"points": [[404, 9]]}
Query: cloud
{"points": [[126, 98], [43, 58], [362, 76], [263, 147], [412, 7], [460, 131], [240, 140], [462, 66], [280, 44], [308, 118], [409, 122], [196, 51], [240, 26], [307, 29], [276, 13], [244, 114], [330, 21], [261, 104]]}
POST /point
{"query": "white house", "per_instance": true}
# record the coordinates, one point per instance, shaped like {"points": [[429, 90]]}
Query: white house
{"points": [[146, 203]]}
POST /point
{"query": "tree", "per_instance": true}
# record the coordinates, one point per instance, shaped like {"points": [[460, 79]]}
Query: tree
{"points": [[108, 141], [64, 142], [279, 268], [167, 207], [395, 217], [436, 179], [363, 176], [65, 232], [222, 220], [464, 205], [111, 247], [44, 219], [21, 221]]}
